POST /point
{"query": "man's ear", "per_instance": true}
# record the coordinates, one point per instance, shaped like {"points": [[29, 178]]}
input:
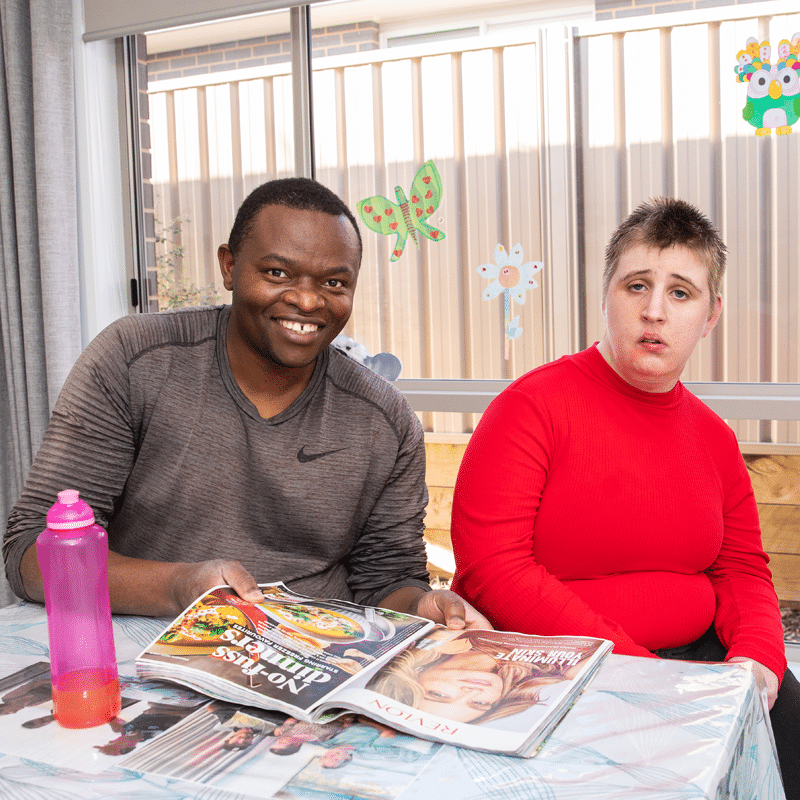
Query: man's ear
{"points": [[714, 318], [226, 265]]}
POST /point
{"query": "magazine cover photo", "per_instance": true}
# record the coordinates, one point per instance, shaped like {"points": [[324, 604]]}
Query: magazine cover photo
{"points": [[479, 679]]}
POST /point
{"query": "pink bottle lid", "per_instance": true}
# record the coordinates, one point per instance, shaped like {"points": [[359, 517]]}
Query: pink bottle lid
{"points": [[70, 512]]}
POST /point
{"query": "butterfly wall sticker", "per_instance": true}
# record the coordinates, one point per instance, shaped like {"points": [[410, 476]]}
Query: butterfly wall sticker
{"points": [[406, 217]]}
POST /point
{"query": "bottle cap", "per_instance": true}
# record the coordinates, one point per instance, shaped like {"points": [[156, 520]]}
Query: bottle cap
{"points": [[70, 512]]}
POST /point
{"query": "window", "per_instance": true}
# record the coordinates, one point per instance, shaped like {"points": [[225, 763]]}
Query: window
{"points": [[221, 122], [544, 136]]}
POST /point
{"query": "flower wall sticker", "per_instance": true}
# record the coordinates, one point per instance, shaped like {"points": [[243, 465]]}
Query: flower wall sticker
{"points": [[513, 278]]}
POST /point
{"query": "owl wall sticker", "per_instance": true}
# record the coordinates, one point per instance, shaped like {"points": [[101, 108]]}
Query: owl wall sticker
{"points": [[773, 90]]}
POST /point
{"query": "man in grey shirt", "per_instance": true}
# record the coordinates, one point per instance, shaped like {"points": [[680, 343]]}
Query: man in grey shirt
{"points": [[232, 445]]}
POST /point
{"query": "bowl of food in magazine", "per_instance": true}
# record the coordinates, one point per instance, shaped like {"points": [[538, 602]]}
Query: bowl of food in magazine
{"points": [[327, 624], [201, 629]]}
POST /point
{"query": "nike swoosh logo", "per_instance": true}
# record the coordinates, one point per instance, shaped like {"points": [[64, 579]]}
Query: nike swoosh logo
{"points": [[304, 457]]}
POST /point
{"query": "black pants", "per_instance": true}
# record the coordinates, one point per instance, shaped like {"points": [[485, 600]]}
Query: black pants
{"points": [[785, 714]]}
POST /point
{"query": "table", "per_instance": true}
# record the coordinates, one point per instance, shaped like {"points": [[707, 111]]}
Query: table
{"points": [[644, 728]]}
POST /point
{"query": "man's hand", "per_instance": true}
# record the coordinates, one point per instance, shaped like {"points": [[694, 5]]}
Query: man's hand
{"points": [[155, 588], [440, 605], [193, 580], [163, 589], [765, 678], [447, 608]]}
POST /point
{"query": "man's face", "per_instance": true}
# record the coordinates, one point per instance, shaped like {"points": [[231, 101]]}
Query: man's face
{"points": [[242, 737], [292, 282], [657, 308]]}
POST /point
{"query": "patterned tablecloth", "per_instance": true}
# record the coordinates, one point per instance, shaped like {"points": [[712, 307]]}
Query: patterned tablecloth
{"points": [[643, 728]]}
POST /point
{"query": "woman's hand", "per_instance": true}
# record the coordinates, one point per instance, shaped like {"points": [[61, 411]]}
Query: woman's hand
{"points": [[765, 678]]}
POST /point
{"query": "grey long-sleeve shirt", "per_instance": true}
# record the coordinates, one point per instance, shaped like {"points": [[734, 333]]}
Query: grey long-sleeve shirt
{"points": [[153, 431]]}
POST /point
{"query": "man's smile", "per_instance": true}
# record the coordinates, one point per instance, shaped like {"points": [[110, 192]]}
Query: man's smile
{"points": [[299, 327]]}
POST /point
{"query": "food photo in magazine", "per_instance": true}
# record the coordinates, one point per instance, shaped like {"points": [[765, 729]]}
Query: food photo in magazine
{"points": [[317, 659], [288, 652]]}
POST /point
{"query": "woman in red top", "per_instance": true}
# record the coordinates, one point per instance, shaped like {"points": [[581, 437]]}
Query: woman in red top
{"points": [[599, 497]]}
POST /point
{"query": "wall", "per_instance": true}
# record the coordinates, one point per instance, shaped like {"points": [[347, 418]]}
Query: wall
{"points": [[260, 51], [619, 9]]}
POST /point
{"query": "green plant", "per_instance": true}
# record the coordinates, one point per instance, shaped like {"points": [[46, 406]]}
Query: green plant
{"points": [[174, 290]]}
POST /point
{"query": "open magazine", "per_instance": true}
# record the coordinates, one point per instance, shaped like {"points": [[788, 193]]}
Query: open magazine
{"points": [[316, 659]]}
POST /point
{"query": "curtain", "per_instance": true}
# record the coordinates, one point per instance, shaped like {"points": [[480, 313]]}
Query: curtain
{"points": [[39, 285]]}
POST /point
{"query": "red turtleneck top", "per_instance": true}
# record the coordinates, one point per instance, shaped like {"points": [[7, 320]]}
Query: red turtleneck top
{"points": [[585, 506]]}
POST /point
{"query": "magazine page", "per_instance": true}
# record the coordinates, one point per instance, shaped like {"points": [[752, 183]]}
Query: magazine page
{"points": [[28, 729], [240, 752], [490, 690], [287, 653]]}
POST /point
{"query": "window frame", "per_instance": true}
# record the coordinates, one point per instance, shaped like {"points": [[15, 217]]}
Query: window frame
{"points": [[731, 400]]}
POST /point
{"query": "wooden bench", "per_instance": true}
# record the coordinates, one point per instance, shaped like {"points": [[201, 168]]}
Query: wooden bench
{"points": [[776, 482], [443, 456]]}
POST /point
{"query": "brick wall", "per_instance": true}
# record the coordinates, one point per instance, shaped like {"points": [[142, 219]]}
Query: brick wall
{"points": [[260, 51], [352, 38], [148, 294], [617, 9]]}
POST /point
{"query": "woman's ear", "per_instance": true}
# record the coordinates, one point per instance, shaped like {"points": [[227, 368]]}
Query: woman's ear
{"points": [[714, 317]]}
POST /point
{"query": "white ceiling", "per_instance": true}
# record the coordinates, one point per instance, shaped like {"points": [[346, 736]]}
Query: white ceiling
{"points": [[395, 17]]}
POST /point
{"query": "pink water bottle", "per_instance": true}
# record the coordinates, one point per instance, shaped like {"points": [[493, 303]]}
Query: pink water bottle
{"points": [[73, 557]]}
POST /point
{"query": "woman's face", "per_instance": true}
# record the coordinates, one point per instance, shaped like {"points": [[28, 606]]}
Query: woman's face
{"points": [[462, 688], [657, 308]]}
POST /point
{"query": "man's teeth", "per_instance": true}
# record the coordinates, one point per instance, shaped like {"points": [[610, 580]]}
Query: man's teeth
{"points": [[300, 327]]}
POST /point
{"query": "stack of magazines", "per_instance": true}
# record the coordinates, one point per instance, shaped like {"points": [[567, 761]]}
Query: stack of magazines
{"points": [[317, 659]]}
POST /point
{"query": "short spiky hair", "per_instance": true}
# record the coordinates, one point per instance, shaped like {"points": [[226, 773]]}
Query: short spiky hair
{"points": [[302, 194], [663, 222]]}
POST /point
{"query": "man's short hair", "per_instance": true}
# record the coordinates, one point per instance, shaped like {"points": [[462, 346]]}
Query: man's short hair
{"points": [[287, 749], [663, 222], [302, 194]]}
